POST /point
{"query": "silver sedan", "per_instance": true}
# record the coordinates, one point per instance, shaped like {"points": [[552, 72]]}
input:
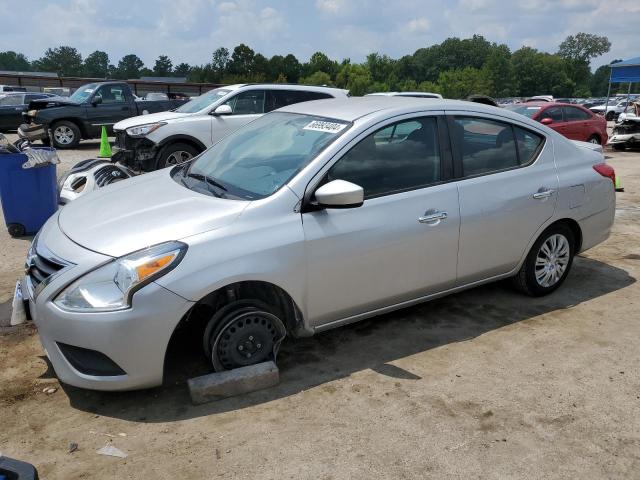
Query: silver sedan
{"points": [[311, 217]]}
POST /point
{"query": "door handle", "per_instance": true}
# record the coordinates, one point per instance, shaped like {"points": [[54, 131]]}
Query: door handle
{"points": [[543, 193], [431, 217]]}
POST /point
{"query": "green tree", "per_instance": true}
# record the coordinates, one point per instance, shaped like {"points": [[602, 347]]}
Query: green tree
{"points": [[163, 66], [316, 78], [241, 63], [65, 61], [219, 63], [462, 82], [261, 70], [320, 62], [291, 68], [381, 67], [583, 47], [129, 66], [96, 65], [182, 70], [355, 78], [499, 71], [13, 61]]}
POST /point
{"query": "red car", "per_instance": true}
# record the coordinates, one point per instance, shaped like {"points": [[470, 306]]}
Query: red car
{"points": [[572, 121]]}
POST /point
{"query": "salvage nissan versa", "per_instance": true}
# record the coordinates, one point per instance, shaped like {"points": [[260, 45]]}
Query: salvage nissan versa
{"points": [[313, 216]]}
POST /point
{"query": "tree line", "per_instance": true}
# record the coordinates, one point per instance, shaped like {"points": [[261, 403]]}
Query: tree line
{"points": [[455, 68]]}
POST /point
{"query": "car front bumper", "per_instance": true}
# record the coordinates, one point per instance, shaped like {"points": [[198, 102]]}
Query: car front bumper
{"points": [[138, 154], [119, 350], [621, 139]]}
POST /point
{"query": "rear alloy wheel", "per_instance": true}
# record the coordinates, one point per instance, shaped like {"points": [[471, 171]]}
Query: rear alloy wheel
{"points": [[244, 336], [621, 147], [176, 154], [594, 139], [548, 262], [65, 134]]}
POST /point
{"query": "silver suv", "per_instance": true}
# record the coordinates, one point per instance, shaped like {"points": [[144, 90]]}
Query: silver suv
{"points": [[310, 217]]}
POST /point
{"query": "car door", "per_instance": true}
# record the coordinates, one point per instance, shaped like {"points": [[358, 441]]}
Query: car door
{"points": [[507, 189], [557, 117], [11, 108], [577, 120], [246, 106], [113, 108], [402, 243]]}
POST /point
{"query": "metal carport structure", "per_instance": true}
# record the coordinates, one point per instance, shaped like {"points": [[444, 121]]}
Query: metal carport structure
{"points": [[627, 71]]}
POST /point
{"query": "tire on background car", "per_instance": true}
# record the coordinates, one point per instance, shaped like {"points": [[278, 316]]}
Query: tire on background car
{"points": [[610, 116], [594, 139], [548, 262], [175, 154], [65, 134], [621, 147]]}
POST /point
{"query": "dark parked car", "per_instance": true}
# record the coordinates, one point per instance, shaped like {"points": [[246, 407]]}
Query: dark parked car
{"points": [[12, 105], [572, 121], [84, 113]]}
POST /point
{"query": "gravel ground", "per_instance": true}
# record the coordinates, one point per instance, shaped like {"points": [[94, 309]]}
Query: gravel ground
{"points": [[482, 384]]}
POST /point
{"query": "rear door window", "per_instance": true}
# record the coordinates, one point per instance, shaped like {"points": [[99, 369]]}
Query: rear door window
{"points": [[281, 98], [529, 145], [484, 145], [573, 114]]}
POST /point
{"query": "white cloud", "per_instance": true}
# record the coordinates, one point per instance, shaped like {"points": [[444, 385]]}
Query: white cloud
{"points": [[418, 25]]}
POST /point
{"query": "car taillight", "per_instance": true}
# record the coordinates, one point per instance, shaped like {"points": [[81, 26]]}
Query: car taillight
{"points": [[606, 171]]}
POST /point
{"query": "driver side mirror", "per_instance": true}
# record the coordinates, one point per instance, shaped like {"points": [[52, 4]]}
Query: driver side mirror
{"points": [[222, 110], [340, 194], [96, 100], [546, 121]]}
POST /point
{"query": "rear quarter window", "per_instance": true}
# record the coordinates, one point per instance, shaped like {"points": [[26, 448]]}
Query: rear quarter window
{"points": [[529, 145]]}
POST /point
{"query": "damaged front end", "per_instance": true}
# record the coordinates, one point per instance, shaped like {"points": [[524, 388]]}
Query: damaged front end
{"points": [[137, 154], [626, 134]]}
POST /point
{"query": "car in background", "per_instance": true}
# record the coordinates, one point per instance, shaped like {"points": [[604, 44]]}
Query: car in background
{"points": [[65, 121], [156, 96], [11, 88], [611, 111], [406, 94], [572, 121], [12, 106], [540, 98], [311, 217], [151, 142]]}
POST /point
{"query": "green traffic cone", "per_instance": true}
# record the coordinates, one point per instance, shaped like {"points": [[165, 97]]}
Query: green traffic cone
{"points": [[105, 148], [618, 184]]}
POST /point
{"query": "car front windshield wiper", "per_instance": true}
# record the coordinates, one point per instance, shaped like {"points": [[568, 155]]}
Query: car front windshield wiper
{"points": [[209, 181]]}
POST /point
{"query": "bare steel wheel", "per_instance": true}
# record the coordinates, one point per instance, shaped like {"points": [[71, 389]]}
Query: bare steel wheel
{"points": [[595, 140], [548, 262], [245, 336]]}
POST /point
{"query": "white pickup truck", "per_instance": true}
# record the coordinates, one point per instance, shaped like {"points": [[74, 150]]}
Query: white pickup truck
{"points": [[155, 141]]}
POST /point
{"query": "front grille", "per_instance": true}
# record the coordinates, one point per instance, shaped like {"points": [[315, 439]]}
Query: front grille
{"points": [[108, 174], [39, 268]]}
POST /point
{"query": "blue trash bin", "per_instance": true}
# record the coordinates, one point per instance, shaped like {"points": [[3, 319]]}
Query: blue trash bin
{"points": [[29, 195]]}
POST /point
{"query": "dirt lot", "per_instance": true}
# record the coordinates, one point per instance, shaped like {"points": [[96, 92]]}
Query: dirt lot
{"points": [[483, 384]]}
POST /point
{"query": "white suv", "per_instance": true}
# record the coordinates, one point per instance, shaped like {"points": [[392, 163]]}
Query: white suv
{"points": [[150, 142]]}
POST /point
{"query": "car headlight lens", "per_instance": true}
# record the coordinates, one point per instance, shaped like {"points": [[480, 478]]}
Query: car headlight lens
{"points": [[32, 113], [142, 130], [111, 286]]}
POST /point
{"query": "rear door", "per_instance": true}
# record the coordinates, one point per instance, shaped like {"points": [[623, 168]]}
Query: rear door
{"points": [[577, 122], [246, 107], [11, 108], [508, 188], [402, 243]]}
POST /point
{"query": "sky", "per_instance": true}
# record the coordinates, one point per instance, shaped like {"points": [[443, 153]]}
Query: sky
{"points": [[189, 30]]}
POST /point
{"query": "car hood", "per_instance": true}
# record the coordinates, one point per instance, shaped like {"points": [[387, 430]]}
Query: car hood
{"points": [[51, 102], [143, 211], [149, 118]]}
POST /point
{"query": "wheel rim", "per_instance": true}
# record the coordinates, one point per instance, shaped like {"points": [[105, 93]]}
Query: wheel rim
{"points": [[249, 338], [594, 140], [63, 135], [178, 157], [552, 260]]}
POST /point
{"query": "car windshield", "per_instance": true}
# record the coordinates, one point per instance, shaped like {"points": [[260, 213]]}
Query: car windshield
{"points": [[203, 101], [262, 156], [84, 92], [527, 110]]}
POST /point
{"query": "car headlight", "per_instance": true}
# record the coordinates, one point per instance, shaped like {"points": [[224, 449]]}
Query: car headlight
{"points": [[143, 130], [111, 286], [32, 113]]}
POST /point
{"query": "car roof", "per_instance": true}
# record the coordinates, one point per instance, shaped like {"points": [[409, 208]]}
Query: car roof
{"points": [[288, 86], [353, 108]]}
